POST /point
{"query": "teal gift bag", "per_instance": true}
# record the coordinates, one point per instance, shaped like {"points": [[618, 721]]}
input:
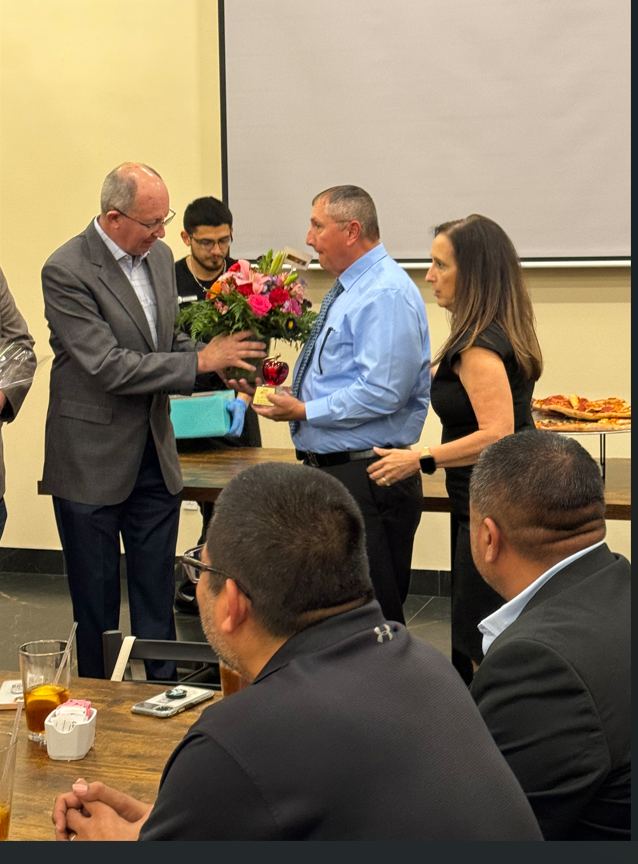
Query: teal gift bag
{"points": [[202, 415]]}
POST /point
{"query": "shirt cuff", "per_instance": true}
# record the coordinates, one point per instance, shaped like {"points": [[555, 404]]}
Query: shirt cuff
{"points": [[318, 411]]}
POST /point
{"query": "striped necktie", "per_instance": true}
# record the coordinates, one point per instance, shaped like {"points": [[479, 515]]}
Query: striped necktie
{"points": [[309, 347]]}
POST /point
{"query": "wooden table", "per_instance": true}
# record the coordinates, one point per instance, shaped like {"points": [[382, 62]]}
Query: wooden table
{"points": [[129, 753], [206, 474]]}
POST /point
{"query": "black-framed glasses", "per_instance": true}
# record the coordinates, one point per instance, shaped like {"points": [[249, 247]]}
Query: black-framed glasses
{"points": [[150, 226], [194, 567], [222, 243]]}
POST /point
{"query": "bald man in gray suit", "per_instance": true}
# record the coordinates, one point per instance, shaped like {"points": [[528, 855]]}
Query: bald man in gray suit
{"points": [[111, 462]]}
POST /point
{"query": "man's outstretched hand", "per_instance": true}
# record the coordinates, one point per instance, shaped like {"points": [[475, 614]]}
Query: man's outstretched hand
{"points": [[93, 811], [224, 351]]}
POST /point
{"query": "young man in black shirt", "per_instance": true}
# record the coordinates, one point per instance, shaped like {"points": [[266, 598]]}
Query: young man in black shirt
{"points": [[208, 233]]}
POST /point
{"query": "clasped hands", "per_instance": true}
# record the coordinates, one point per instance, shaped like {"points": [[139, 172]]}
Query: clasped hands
{"points": [[93, 811]]}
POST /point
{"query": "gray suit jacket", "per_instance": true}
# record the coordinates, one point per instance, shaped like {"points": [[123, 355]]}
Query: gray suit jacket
{"points": [[554, 691], [14, 328], [108, 383]]}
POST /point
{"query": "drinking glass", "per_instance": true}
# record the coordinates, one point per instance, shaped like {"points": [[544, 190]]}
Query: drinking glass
{"points": [[39, 662], [7, 772], [232, 681]]}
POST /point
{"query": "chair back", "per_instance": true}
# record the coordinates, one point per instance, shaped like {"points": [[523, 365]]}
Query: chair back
{"points": [[121, 651]]}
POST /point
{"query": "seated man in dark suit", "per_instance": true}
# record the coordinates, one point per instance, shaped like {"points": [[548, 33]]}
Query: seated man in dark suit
{"points": [[554, 685], [351, 729]]}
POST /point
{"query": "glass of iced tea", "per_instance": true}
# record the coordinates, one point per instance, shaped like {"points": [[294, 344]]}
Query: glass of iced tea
{"points": [[39, 663], [7, 772], [232, 681]]}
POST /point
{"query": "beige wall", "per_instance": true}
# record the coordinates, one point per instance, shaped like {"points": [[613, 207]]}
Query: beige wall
{"points": [[87, 85]]}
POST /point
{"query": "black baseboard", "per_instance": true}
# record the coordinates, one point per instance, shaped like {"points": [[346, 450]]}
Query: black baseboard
{"points": [[434, 583], [31, 561], [431, 582]]}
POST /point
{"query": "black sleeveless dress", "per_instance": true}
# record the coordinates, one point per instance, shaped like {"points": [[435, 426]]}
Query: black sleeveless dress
{"points": [[472, 598]]}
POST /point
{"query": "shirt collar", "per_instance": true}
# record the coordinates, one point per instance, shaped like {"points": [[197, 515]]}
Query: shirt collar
{"points": [[362, 265], [116, 251], [498, 621], [328, 631]]}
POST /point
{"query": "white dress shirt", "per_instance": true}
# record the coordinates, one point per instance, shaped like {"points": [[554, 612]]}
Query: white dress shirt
{"points": [[137, 273], [498, 621]]}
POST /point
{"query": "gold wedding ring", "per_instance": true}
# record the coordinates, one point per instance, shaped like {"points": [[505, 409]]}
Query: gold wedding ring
{"points": [[385, 482]]}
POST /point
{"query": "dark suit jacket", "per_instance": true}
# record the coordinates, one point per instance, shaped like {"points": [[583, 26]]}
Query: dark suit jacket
{"points": [[345, 734], [554, 691], [13, 328], [108, 383]]}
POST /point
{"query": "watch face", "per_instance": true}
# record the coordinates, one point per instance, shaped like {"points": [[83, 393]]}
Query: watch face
{"points": [[428, 464]]}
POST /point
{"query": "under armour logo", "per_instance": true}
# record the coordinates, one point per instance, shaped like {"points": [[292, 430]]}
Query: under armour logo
{"points": [[384, 631]]}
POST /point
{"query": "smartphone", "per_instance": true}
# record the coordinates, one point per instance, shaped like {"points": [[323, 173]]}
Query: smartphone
{"points": [[173, 701]]}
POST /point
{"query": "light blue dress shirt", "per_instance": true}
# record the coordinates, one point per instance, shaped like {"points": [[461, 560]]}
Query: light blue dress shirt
{"points": [[368, 383], [498, 621], [137, 273]]}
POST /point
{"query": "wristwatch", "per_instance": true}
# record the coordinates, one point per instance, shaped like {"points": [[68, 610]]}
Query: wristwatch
{"points": [[427, 461]]}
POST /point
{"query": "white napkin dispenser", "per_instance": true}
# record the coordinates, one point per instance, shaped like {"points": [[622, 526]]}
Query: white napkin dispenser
{"points": [[70, 732]]}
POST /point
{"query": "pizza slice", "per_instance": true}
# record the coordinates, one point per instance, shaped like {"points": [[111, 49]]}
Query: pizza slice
{"points": [[584, 409]]}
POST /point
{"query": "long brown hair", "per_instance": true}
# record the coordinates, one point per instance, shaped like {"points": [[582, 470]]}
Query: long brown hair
{"points": [[489, 288]]}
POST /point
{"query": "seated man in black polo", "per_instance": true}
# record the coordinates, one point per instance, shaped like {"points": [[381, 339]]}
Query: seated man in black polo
{"points": [[351, 728], [208, 233]]}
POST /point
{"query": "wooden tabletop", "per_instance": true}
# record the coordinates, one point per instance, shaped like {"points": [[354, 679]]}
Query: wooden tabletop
{"points": [[129, 752], [206, 474]]}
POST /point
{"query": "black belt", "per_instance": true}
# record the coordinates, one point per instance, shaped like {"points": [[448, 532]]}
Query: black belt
{"points": [[327, 460]]}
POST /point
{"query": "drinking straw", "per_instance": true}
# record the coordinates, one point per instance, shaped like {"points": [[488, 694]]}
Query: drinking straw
{"points": [[16, 723], [14, 735], [67, 651]]}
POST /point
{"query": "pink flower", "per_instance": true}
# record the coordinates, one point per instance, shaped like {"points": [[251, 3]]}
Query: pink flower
{"points": [[297, 292], [260, 283], [260, 305], [292, 306], [242, 269], [222, 307]]}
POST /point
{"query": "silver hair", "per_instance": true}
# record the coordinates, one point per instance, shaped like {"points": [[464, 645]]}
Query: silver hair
{"points": [[120, 187], [349, 204]]}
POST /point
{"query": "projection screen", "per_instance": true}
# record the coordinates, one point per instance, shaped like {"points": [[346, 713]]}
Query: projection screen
{"points": [[516, 109]]}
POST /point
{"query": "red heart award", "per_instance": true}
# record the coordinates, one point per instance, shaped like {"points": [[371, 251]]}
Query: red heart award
{"points": [[274, 372]]}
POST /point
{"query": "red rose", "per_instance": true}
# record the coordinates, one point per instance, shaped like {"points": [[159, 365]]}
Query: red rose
{"points": [[235, 268], [245, 289], [260, 305], [278, 297]]}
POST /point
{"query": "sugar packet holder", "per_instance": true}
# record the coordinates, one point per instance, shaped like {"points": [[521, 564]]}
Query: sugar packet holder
{"points": [[70, 730]]}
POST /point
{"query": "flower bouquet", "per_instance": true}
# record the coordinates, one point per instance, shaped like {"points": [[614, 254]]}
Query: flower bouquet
{"points": [[261, 297]]}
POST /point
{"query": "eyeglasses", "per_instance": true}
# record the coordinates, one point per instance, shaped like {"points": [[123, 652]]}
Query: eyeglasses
{"points": [[222, 243], [150, 226], [194, 567]]}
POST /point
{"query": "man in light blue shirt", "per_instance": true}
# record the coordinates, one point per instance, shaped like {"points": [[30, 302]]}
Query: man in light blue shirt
{"points": [[554, 686], [363, 381]]}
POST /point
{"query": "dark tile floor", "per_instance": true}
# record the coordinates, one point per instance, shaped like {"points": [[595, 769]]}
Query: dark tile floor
{"points": [[38, 607]]}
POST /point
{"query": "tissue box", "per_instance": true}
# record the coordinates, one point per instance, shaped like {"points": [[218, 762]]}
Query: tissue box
{"points": [[202, 415], [70, 733]]}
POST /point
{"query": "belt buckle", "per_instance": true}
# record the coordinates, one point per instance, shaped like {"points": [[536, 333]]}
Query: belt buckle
{"points": [[312, 460]]}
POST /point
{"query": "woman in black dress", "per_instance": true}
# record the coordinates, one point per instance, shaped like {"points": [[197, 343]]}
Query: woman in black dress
{"points": [[481, 391]]}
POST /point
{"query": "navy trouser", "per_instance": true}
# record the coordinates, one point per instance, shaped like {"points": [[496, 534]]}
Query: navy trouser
{"points": [[391, 516], [148, 521], [3, 516]]}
